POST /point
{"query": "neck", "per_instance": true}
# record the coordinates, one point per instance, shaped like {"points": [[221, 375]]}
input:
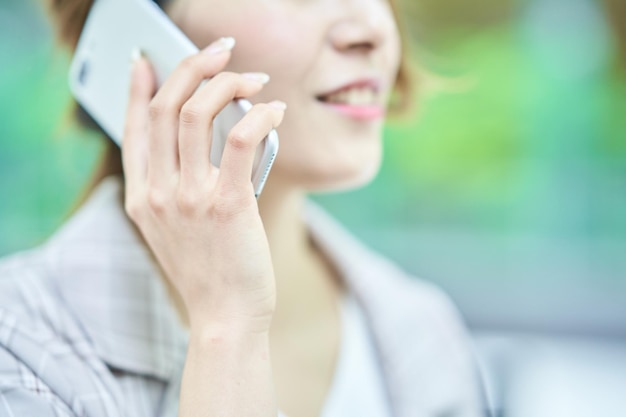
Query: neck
{"points": [[305, 282]]}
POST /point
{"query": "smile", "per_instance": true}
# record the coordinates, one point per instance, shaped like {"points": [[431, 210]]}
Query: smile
{"points": [[358, 96], [359, 101]]}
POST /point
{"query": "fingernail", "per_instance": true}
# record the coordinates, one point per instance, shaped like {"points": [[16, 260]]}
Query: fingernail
{"points": [[277, 104], [135, 55], [219, 46], [259, 77]]}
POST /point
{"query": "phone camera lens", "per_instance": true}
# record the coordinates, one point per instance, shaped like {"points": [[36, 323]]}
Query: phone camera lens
{"points": [[83, 72]]}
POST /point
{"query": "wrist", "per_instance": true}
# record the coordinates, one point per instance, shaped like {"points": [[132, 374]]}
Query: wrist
{"points": [[238, 344], [228, 318], [225, 331]]}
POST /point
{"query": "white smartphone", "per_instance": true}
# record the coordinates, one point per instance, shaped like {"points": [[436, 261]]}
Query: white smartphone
{"points": [[99, 75]]}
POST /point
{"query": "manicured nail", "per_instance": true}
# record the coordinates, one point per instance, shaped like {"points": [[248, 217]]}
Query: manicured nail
{"points": [[259, 77], [219, 46], [135, 55], [277, 104]]}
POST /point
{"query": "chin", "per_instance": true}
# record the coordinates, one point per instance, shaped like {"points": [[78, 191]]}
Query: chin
{"points": [[339, 162], [342, 179], [352, 182]]}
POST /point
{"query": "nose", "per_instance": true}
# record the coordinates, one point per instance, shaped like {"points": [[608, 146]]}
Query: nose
{"points": [[362, 27]]}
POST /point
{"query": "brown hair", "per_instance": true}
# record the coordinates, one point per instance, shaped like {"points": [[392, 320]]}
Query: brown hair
{"points": [[616, 13], [68, 18]]}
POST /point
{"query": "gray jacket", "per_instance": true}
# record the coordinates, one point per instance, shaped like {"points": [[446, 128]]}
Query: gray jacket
{"points": [[87, 328]]}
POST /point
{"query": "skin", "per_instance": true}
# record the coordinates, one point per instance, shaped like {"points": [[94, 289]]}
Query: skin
{"points": [[260, 300]]}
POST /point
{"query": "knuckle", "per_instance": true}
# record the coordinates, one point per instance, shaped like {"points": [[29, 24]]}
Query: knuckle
{"points": [[133, 209], [223, 211], [156, 110], [157, 201], [230, 202], [241, 139], [188, 202], [190, 114]]}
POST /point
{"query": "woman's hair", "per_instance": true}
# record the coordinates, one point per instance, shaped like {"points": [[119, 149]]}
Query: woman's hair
{"points": [[68, 18], [616, 12]]}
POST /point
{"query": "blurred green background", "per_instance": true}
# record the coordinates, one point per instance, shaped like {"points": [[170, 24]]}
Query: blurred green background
{"points": [[507, 186]]}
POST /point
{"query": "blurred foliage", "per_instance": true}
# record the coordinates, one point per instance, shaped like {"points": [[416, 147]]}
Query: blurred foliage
{"points": [[433, 22], [44, 160], [496, 114]]}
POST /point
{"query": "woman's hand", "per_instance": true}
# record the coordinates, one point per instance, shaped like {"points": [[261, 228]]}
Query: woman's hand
{"points": [[203, 225], [201, 222]]}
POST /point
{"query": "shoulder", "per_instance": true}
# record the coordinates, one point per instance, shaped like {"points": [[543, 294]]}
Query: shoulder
{"points": [[424, 340], [22, 392], [25, 290], [29, 294], [424, 299], [420, 334], [366, 270], [422, 314], [47, 364], [418, 313], [32, 311], [31, 334]]}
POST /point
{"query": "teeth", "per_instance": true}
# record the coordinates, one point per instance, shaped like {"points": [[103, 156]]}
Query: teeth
{"points": [[354, 97]]}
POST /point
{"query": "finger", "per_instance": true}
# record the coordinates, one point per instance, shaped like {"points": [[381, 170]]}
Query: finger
{"points": [[241, 145], [196, 118], [134, 141], [165, 107]]}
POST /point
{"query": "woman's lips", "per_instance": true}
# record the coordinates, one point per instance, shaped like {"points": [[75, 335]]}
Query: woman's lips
{"points": [[361, 112], [359, 99], [371, 83]]}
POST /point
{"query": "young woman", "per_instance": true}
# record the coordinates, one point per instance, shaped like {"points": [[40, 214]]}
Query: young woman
{"points": [[174, 292]]}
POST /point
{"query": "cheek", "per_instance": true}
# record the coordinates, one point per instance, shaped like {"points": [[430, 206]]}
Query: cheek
{"points": [[396, 50], [268, 39], [272, 43]]}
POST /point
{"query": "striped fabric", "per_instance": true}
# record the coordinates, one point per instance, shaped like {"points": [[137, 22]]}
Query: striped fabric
{"points": [[87, 328]]}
